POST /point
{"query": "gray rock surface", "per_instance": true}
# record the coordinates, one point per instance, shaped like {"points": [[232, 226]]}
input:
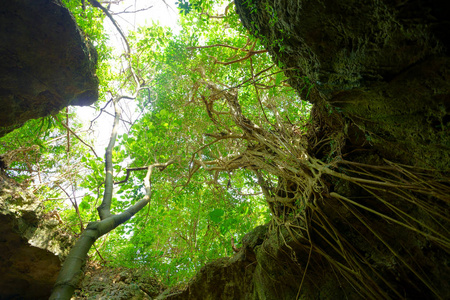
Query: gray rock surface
{"points": [[383, 64], [46, 63], [32, 244]]}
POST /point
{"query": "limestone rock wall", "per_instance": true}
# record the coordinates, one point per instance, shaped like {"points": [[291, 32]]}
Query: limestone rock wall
{"points": [[32, 244], [378, 74], [383, 64], [46, 62]]}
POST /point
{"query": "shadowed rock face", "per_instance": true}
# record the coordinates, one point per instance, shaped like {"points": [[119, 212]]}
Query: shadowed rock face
{"points": [[383, 64], [31, 244], [340, 45], [46, 62]]}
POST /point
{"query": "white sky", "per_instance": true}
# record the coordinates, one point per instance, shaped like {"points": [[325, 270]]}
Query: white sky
{"points": [[159, 12], [166, 15]]}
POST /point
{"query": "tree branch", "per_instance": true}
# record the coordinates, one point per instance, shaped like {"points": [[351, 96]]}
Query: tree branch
{"points": [[68, 131], [104, 210], [72, 132], [70, 274], [133, 11], [129, 170], [226, 46], [95, 3], [108, 113], [75, 205], [247, 56]]}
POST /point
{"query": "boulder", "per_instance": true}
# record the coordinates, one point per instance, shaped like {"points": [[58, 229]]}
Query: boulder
{"points": [[46, 62], [32, 244], [384, 65]]}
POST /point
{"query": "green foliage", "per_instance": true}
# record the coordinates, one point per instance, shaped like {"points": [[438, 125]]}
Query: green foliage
{"points": [[90, 20], [194, 215], [48, 158], [186, 7], [198, 205]]}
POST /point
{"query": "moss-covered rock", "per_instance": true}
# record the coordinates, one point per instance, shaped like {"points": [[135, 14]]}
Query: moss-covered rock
{"points": [[383, 64]]}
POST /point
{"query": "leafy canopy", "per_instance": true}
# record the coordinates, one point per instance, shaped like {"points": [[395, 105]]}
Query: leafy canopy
{"points": [[211, 196]]}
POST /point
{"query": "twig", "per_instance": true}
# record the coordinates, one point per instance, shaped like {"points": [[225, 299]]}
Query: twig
{"points": [[95, 3], [226, 46], [161, 167], [68, 131], [75, 205], [131, 12], [247, 56], [108, 113], [72, 132], [129, 170], [98, 253], [257, 92], [235, 249]]}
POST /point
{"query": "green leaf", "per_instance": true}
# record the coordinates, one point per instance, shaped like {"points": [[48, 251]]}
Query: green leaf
{"points": [[216, 215], [84, 205], [163, 112]]}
